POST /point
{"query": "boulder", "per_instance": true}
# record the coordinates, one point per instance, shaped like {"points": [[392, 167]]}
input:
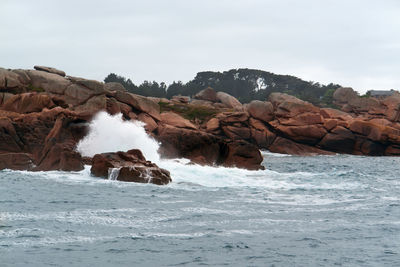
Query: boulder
{"points": [[28, 102], [4, 97], [139, 103], [285, 146], [212, 125], [278, 98], [244, 155], [302, 119], [49, 82], [344, 94], [232, 117], [10, 81], [114, 86], [340, 140], [330, 113], [50, 70], [229, 101], [261, 110], [128, 166], [207, 94], [308, 134], [16, 161], [237, 133], [198, 146], [180, 99], [176, 120], [150, 124], [95, 86], [93, 105]]}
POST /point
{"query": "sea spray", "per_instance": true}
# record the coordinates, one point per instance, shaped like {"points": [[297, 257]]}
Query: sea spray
{"points": [[109, 133]]}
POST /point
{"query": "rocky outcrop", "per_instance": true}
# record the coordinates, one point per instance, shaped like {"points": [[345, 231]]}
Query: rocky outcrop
{"points": [[128, 166], [50, 70]]}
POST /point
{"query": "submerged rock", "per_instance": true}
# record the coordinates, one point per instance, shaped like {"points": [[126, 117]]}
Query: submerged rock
{"points": [[128, 166]]}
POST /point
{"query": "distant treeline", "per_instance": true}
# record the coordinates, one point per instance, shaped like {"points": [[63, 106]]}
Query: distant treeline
{"points": [[244, 84]]}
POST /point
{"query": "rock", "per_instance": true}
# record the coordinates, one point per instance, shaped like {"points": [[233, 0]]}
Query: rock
{"points": [[207, 94], [140, 103], [330, 113], [344, 94], [244, 155], [203, 103], [261, 110], [308, 134], [232, 117], [190, 144], [306, 118], [176, 120], [205, 148], [93, 105], [392, 104], [4, 97], [9, 139], [292, 108], [128, 166], [150, 124], [16, 161], [10, 81], [50, 70], [49, 82], [286, 146], [95, 86], [278, 98], [180, 99], [114, 86], [28, 102], [237, 133], [61, 157], [263, 138], [340, 140], [229, 101], [212, 125]]}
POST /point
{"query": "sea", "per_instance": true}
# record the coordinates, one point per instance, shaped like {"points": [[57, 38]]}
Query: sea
{"points": [[339, 210]]}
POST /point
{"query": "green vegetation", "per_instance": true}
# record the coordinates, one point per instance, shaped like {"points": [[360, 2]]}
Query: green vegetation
{"points": [[189, 112], [35, 89], [244, 84]]}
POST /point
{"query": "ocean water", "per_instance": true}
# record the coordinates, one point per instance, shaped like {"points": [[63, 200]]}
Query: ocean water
{"points": [[301, 211]]}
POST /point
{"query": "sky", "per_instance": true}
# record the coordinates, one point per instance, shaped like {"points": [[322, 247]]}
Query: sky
{"points": [[354, 43]]}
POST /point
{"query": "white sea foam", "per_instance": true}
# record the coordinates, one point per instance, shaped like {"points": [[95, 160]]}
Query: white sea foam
{"points": [[110, 134]]}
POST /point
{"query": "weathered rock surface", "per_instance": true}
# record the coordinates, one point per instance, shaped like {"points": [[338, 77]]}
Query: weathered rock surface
{"points": [[128, 166], [50, 70]]}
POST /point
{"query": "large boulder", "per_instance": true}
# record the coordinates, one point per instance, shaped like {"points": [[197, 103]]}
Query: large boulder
{"points": [[261, 110], [285, 146], [340, 140], [176, 120], [28, 102], [128, 166], [207, 94], [308, 134], [139, 103], [16, 161], [11, 81], [114, 86], [50, 70], [229, 101], [343, 95], [242, 154], [48, 82]]}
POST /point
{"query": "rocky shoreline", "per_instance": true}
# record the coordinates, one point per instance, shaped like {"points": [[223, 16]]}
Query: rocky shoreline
{"points": [[44, 114]]}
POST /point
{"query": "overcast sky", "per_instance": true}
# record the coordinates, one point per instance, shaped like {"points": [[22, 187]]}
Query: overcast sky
{"points": [[351, 42]]}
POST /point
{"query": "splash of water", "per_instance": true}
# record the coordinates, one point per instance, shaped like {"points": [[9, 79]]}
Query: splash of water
{"points": [[109, 133]]}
